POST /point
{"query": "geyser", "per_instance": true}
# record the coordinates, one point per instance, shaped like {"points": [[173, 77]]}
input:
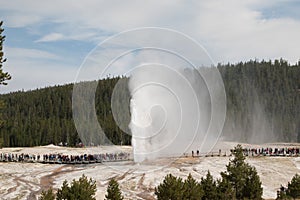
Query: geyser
{"points": [[171, 111], [175, 106]]}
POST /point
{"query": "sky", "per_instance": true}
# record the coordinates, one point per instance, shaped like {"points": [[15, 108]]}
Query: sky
{"points": [[47, 41]]}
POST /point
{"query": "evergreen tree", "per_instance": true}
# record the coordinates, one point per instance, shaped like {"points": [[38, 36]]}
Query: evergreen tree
{"points": [[293, 189], [63, 192], [47, 195], [83, 189], [1, 142], [243, 178], [192, 190], [4, 76], [252, 189], [282, 193], [225, 190], [209, 187], [113, 191], [171, 188]]}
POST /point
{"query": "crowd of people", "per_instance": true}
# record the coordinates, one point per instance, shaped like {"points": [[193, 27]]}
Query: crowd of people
{"points": [[268, 151], [286, 151], [64, 158]]}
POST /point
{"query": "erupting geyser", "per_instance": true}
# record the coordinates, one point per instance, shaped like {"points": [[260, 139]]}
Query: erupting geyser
{"points": [[170, 111], [176, 105]]}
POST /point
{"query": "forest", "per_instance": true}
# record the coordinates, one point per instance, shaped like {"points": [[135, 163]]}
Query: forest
{"points": [[263, 105]]}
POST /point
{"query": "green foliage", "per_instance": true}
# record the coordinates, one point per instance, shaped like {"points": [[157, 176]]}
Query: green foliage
{"points": [[239, 181], [243, 178], [1, 142], [83, 189], [113, 191], [261, 97], [171, 188], [225, 190], [192, 190], [209, 187], [64, 191], [293, 189], [174, 188], [47, 195], [4, 76], [282, 195], [252, 189], [44, 116], [2, 105]]}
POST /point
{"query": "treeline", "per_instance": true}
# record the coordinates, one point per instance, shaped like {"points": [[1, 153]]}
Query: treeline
{"points": [[263, 104], [44, 116], [263, 101]]}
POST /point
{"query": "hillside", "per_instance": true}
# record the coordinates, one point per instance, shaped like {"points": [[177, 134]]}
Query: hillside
{"points": [[44, 116], [263, 105]]}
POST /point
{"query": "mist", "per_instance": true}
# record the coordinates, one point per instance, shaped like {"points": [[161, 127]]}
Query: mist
{"points": [[248, 121], [171, 110]]}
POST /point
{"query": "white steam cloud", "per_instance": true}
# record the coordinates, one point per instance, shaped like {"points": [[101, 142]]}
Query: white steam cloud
{"points": [[174, 108], [170, 112]]}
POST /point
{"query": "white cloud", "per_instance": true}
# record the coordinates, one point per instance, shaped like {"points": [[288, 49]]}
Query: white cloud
{"points": [[16, 19], [86, 35], [51, 37], [230, 30], [32, 75], [33, 68], [29, 73], [14, 53]]}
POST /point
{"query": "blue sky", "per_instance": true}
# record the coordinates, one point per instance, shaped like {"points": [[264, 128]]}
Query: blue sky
{"points": [[46, 41]]}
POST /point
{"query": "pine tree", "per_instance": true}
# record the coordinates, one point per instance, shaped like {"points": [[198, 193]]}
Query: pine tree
{"points": [[252, 189], [82, 189], [192, 190], [1, 142], [63, 192], [243, 178], [4, 76], [293, 189], [113, 191], [171, 188], [47, 195], [225, 190], [209, 187]]}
